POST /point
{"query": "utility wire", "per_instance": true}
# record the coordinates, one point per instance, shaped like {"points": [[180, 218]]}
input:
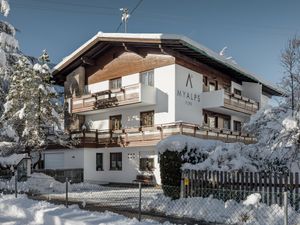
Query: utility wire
{"points": [[53, 2], [132, 11]]}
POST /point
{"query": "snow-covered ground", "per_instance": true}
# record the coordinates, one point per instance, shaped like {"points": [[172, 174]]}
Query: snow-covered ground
{"points": [[250, 211], [23, 211]]}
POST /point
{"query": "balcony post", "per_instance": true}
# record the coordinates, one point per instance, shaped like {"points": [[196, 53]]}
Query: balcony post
{"points": [[195, 129], [161, 132], [180, 128], [110, 135], [83, 137], [96, 138]]}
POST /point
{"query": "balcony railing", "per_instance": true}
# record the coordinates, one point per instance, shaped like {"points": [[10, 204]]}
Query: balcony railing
{"points": [[107, 99], [240, 103], [143, 136]]}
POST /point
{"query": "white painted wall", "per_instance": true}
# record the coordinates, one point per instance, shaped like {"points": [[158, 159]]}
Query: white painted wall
{"points": [[237, 86], [131, 79], [97, 87], [163, 94], [212, 99], [264, 100], [130, 164], [252, 90], [187, 104]]}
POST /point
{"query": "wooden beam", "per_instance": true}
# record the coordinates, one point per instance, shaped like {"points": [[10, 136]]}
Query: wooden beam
{"points": [[87, 61]]}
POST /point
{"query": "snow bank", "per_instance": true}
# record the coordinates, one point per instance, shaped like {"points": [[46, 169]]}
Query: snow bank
{"points": [[22, 211], [43, 184], [249, 212]]}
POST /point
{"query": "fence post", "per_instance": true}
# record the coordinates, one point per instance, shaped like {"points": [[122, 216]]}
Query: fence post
{"points": [[140, 201], [285, 202], [16, 183], [67, 190], [181, 188]]}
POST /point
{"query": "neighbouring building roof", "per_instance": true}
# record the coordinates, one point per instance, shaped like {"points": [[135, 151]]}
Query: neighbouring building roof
{"points": [[175, 42]]}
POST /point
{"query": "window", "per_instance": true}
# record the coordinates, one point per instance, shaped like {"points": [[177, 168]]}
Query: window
{"points": [[212, 86], [116, 161], [115, 122], [226, 124], [205, 80], [147, 78], [146, 164], [237, 126], [99, 161], [212, 122], [147, 119], [237, 91], [115, 83]]}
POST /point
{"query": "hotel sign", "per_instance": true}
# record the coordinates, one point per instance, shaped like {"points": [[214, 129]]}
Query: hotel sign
{"points": [[189, 93]]}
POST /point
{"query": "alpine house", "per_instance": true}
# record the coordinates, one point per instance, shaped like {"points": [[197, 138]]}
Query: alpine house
{"points": [[126, 92]]}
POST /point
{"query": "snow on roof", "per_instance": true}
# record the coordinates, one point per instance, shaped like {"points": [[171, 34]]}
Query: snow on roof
{"points": [[159, 36], [13, 159]]}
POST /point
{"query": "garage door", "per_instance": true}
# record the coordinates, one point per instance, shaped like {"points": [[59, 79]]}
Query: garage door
{"points": [[54, 161]]}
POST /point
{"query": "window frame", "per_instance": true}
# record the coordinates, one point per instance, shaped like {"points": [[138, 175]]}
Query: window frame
{"points": [[119, 83], [237, 91], [147, 75], [97, 168], [145, 169], [111, 124], [119, 158], [147, 112], [235, 122], [227, 120]]}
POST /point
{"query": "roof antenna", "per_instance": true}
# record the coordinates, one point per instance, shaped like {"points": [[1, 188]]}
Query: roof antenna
{"points": [[125, 16]]}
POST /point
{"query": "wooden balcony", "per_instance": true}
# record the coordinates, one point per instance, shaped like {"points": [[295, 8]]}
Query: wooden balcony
{"points": [[240, 103], [149, 136], [128, 95]]}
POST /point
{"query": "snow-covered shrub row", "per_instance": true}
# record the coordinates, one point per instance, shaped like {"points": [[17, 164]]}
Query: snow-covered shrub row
{"points": [[202, 154], [275, 151], [250, 211]]}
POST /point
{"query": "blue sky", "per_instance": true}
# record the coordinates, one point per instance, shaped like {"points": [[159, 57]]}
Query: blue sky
{"points": [[255, 31]]}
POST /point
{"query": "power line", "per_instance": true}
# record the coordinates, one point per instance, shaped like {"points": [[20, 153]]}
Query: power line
{"points": [[65, 10], [53, 2], [132, 11]]}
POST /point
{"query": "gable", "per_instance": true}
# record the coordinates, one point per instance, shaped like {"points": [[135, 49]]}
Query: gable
{"points": [[117, 62]]}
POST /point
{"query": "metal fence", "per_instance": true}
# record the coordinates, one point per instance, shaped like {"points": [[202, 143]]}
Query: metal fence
{"points": [[216, 206]]}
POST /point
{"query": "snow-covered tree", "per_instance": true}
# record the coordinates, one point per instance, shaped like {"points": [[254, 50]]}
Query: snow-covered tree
{"points": [[277, 128], [32, 108], [9, 52]]}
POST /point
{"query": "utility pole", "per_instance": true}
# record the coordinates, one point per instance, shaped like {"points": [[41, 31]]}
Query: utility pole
{"points": [[125, 16]]}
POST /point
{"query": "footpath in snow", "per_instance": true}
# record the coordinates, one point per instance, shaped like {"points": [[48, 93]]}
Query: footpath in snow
{"points": [[23, 211]]}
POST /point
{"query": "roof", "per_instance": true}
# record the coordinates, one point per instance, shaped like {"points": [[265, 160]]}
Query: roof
{"points": [[179, 43]]}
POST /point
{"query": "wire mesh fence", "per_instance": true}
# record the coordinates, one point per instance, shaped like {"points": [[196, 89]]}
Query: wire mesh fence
{"points": [[217, 206]]}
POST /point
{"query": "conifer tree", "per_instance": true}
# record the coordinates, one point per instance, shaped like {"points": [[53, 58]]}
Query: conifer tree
{"points": [[9, 52], [32, 108]]}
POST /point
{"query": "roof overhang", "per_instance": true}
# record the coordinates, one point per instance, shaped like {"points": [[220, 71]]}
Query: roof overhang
{"points": [[101, 41]]}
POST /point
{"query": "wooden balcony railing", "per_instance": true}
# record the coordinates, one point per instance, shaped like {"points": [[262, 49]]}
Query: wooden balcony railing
{"points": [[240, 103], [107, 99], [145, 136]]}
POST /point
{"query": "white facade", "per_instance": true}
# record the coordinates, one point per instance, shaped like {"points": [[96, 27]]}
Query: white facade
{"points": [[177, 95]]}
